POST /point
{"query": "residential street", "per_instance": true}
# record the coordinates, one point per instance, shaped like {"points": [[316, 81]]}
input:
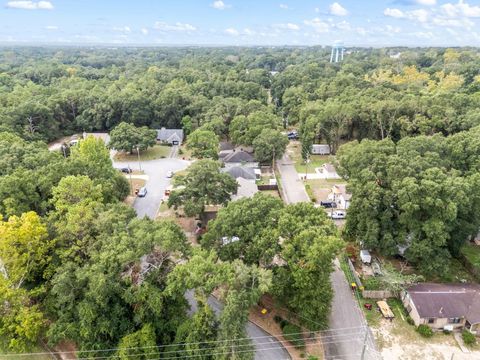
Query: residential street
{"points": [[266, 346], [292, 186], [347, 324]]}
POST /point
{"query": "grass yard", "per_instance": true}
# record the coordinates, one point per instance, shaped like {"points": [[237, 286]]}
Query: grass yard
{"points": [[472, 253], [153, 153], [295, 152], [318, 189], [454, 272]]}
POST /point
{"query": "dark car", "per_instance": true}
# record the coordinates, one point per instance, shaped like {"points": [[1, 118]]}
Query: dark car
{"points": [[293, 135], [126, 170], [328, 204]]}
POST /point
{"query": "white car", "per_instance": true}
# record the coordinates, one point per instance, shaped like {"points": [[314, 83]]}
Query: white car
{"points": [[337, 215], [170, 174]]}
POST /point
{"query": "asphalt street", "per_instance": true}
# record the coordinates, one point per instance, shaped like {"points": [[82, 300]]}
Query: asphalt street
{"points": [[346, 334], [266, 346]]}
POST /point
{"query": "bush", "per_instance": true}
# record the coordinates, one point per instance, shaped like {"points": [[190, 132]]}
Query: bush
{"points": [[311, 357], [372, 283], [446, 332], [468, 338], [180, 151], [277, 319], [410, 320], [425, 331], [292, 334]]}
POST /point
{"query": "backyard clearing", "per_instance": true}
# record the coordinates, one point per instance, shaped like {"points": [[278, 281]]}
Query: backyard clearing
{"points": [[399, 340], [153, 153], [294, 150]]}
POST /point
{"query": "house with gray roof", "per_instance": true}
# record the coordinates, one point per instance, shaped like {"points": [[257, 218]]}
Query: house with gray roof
{"points": [[245, 172], [170, 136], [239, 158], [444, 306]]}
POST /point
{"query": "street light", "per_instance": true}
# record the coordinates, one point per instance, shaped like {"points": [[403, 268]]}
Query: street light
{"points": [[139, 163]]}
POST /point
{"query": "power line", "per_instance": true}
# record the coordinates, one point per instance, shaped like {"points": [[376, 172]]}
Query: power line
{"points": [[204, 342], [236, 346]]}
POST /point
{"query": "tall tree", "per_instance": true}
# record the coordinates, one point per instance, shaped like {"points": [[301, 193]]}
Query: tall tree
{"points": [[203, 184], [204, 144], [127, 137]]}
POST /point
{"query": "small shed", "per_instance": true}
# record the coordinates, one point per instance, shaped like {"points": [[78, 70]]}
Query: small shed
{"points": [[321, 149], [365, 257]]}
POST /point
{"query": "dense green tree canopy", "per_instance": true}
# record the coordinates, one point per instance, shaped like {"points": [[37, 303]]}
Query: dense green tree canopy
{"points": [[128, 137], [204, 184]]}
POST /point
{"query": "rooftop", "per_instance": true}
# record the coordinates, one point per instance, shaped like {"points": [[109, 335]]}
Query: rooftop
{"points": [[447, 300]]}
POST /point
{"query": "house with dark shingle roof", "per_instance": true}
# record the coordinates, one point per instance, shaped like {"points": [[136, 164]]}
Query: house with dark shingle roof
{"points": [[239, 158], [170, 136], [248, 173], [444, 306]]}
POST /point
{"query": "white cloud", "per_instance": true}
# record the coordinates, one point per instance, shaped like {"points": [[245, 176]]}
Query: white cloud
{"points": [[396, 13], [343, 25], [283, 6], [177, 27], [51, 27], [318, 25], [220, 5], [338, 10], [125, 29], [427, 2], [144, 31], [461, 9], [30, 5], [423, 35], [287, 26], [317, 10], [420, 15], [361, 31], [249, 32], [232, 32]]}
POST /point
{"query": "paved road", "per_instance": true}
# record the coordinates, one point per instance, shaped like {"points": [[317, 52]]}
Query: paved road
{"points": [[266, 346], [156, 170], [344, 340], [148, 206], [292, 187]]}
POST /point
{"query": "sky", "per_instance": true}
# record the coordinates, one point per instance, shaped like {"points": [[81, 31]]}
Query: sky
{"points": [[241, 22]]}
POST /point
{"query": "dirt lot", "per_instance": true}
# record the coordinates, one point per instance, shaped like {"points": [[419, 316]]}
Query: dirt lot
{"points": [[399, 340]]}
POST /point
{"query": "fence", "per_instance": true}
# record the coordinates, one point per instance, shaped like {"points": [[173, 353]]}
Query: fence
{"points": [[267, 187], [377, 294]]}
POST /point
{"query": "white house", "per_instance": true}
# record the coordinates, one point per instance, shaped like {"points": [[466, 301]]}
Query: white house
{"points": [[340, 195], [328, 171]]}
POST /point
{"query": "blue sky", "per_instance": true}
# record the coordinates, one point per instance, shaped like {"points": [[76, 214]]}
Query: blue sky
{"points": [[242, 22]]}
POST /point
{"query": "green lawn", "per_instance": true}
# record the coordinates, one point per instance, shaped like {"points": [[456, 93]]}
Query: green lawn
{"points": [[315, 162], [472, 253], [153, 153]]}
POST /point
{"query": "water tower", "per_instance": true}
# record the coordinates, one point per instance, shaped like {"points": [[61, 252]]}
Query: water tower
{"points": [[338, 50]]}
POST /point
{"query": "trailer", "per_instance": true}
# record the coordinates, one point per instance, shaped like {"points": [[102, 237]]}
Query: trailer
{"points": [[365, 257], [321, 149]]}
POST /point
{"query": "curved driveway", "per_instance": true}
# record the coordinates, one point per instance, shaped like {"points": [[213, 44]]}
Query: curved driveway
{"points": [[267, 347]]}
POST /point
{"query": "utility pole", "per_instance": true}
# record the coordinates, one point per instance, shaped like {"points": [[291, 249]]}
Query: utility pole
{"points": [[364, 345], [130, 176], [138, 153]]}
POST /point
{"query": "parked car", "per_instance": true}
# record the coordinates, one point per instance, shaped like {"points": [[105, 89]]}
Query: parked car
{"points": [[170, 174], [142, 192], [292, 135], [336, 215], [126, 170], [328, 204]]}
